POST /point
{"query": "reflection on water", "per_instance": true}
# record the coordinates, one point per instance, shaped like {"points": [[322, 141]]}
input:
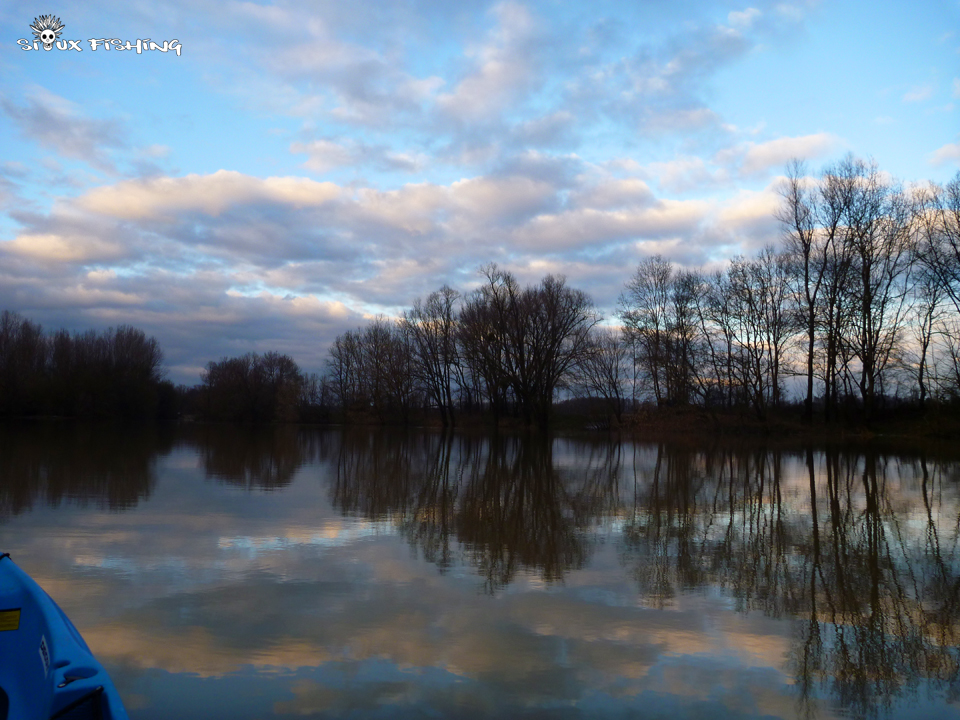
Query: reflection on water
{"points": [[502, 500], [249, 456], [406, 573], [863, 557], [54, 463]]}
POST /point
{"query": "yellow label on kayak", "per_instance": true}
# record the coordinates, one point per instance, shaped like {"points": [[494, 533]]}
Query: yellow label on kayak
{"points": [[9, 619]]}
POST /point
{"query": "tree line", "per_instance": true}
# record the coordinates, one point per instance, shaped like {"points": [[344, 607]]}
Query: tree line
{"points": [[114, 373], [503, 350], [858, 304], [861, 300]]}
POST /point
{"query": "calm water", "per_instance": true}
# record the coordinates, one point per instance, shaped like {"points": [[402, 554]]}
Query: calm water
{"points": [[230, 573]]}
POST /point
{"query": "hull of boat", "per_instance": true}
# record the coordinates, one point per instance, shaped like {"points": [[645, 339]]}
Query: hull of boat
{"points": [[46, 669]]}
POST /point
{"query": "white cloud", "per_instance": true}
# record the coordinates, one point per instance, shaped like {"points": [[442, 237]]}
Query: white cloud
{"points": [[918, 93], [749, 211], [628, 192], [326, 155], [503, 67], [57, 124], [684, 173], [164, 198], [743, 18], [758, 158], [323, 155], [589, 227], [52, 247], [945, 154]]}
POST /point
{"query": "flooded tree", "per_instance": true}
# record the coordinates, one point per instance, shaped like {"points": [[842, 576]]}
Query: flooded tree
{"points": [[252, 388], [525, 340], [23, 360], [603, 370], [112, 373], [372, 373], [432, 329], [805, 243]]}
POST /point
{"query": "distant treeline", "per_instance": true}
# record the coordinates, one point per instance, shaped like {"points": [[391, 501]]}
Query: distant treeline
{"points": [[115, 373], [503, 351], [861, 300], [858, 303]]}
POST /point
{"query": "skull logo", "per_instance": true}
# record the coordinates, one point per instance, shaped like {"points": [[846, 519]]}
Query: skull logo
{"points": [[47, 29]]}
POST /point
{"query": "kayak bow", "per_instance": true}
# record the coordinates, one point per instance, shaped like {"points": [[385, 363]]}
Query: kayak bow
{"points": [[46, 669]]}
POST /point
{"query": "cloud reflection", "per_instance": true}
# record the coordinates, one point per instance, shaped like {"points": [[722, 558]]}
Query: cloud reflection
{"points": [[419, 573]]}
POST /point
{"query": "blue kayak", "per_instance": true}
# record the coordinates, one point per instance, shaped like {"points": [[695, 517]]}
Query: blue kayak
{"points": [[46, 669]]}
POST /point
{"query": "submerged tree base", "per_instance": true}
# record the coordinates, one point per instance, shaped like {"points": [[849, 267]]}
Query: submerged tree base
{"points": [[672, 423]]}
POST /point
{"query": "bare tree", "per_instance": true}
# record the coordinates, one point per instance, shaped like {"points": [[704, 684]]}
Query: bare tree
{"points": [[807, 246], [484, 336], [878, 227], [603, 370], [524, 341], [345, 369], [432, 328], [561, 318], [939, 212], [645, 313], [927, 311], [253, 387], [835, 313], [23, 357]]}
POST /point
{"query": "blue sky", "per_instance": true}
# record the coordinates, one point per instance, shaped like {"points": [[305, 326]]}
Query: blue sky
{"points": [[300, 167]]}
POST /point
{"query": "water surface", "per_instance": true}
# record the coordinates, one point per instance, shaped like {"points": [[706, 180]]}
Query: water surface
{"points": [[241, 573]]}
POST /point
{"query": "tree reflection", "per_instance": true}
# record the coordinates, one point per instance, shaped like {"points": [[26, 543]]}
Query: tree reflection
{"points": [[516, 512], [885, 605], [252, 457], [840, 548], [500, 503], [55, 463]]}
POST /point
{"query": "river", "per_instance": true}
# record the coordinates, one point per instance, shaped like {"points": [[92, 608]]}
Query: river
{"points": [[239, 572]]}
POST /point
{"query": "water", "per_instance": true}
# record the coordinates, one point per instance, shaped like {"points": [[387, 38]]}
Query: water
{"points": [[224, 572]]}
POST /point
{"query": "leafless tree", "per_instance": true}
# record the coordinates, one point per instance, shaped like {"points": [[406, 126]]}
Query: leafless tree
{"points": [[23, 356], [603, 370], [524, 341], [939, 212], [807, 244], [645, 312], [878, 228], [253, 387], [432, 329], [484, 336]]}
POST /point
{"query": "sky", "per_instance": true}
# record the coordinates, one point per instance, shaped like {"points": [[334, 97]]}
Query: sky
{"points": [[286, 171]]}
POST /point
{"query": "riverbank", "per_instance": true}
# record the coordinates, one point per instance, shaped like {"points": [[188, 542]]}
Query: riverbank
{"points": [[677, 424]]}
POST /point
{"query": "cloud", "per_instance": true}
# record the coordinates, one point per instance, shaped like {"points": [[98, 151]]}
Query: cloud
{"points": [[164, 198], [582, 228], [918, 93], [59, 125], [614, 193], [554, 129], [749, 219], [753, 159], [661, 86], [504, 67], [949, 153], [684, 173], [744, 18], [325, 156], [65, 248], [354, 83]]}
